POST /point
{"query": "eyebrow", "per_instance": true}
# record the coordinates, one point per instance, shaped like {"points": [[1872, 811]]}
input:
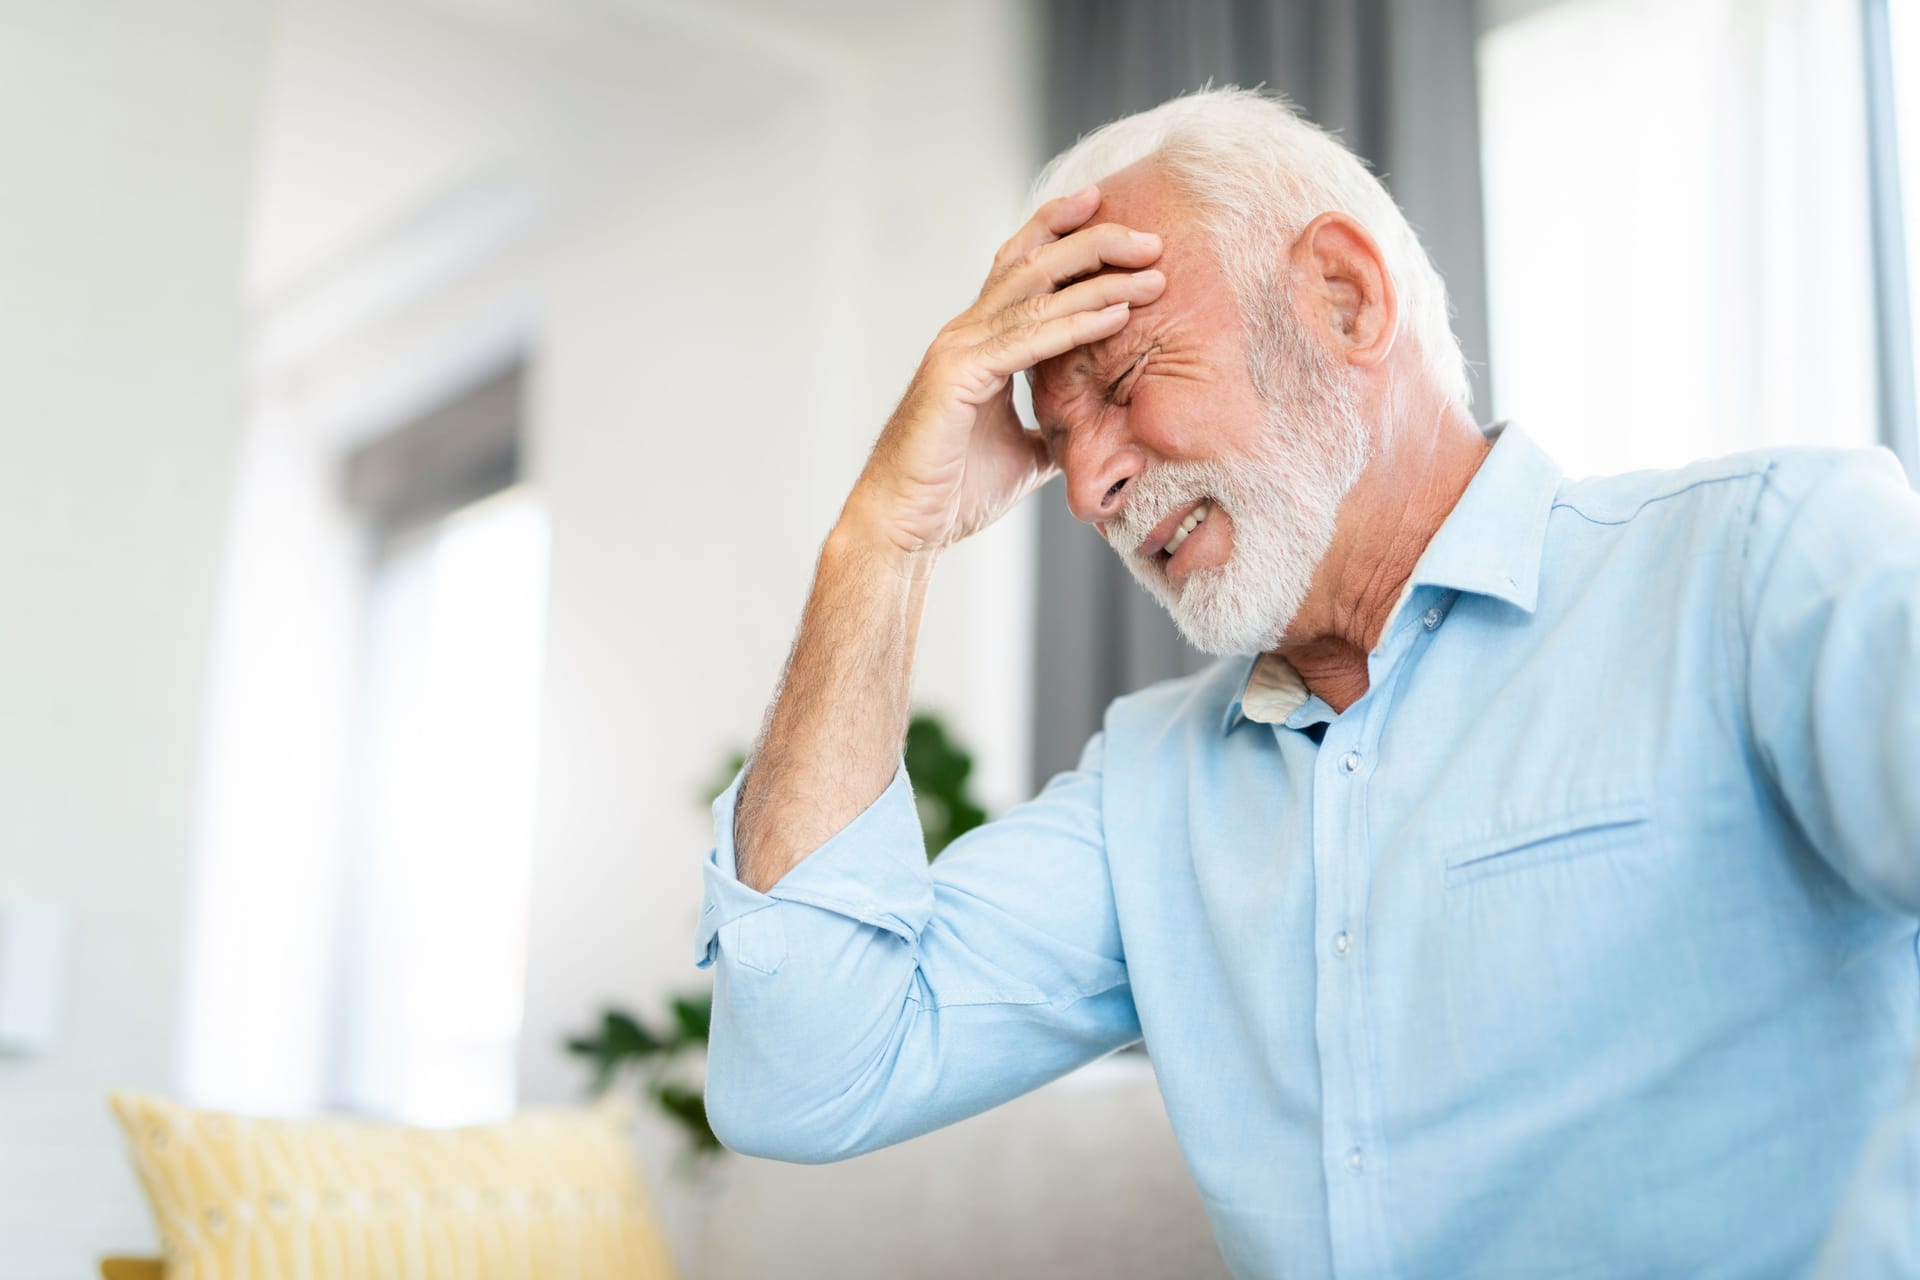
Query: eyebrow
{"points": [[1099, 362], [1104, 370]]}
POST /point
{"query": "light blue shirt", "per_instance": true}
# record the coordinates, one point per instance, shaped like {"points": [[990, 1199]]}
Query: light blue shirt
{"points": [[1584, 944]]}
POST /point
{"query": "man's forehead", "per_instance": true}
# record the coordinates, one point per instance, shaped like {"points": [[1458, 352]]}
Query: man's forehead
{"points": [[1139, 190]]}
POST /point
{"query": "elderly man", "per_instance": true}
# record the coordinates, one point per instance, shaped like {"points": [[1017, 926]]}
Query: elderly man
{"points": [[1532, 888]]}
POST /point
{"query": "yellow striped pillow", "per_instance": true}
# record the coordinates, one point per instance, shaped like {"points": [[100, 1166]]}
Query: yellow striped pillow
{"points": [[548, 1194]]}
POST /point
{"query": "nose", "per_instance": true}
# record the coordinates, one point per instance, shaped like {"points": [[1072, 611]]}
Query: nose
{"points": [[1098, 471]]}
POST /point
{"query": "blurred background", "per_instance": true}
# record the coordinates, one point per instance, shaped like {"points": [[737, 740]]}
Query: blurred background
{"points": [[421, 417]]}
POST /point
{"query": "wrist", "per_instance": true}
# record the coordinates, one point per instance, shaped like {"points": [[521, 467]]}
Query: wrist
{"points": [[863, 532]]}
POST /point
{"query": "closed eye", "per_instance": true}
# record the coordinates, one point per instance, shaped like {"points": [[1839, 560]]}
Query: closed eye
{"points": [[1127, 376]]}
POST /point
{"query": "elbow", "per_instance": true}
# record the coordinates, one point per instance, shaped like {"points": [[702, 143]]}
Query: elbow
{"points": [[757, 1104], [753, 1135], [800, 1067], [770, 1101], [751, 1119]]}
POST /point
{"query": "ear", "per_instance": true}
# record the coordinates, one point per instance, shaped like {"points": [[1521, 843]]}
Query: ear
{"points": [[1343, 290]]}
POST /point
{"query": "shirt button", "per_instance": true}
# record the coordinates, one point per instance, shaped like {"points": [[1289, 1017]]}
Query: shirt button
{"points": [[1431, 618], [1342, 943], [1356, 1160], [1350, 761]]}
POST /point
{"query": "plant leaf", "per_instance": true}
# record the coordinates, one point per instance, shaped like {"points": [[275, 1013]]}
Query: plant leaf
{"points": [[689, 1107], [694, 1014], [625, 1037]]}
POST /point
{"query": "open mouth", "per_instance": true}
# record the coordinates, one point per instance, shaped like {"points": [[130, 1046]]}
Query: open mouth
{"points": [[1193, 521]]}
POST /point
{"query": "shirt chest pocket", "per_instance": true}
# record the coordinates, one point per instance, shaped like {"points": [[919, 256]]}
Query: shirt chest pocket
{"points": [[1533, 845]]}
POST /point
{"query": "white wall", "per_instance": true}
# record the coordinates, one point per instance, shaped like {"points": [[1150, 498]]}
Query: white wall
{"points": [[721, 234], [674, 408], [126, 136]]}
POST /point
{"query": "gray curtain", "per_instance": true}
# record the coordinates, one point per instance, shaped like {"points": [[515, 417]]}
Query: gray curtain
{"points": [[1396, 79]]}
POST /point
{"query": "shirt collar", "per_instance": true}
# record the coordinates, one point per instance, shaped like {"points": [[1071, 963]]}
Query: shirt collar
{"points": [[1490, 544], [1492, 541]]}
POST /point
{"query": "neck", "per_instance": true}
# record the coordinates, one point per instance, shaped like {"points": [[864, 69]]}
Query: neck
{"points": [[1417, 475]]}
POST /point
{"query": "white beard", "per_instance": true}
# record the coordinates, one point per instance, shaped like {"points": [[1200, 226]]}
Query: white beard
{"points": [[1283, 497]]}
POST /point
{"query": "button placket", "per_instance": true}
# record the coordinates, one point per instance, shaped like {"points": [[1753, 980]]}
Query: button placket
{"points": [[1341, 869], [1352, 1144]]}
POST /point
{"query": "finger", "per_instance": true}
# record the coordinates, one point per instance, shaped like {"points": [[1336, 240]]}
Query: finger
{"points": [[1081, 254], [1049, 222], [1025, 346], [1136, 288]]}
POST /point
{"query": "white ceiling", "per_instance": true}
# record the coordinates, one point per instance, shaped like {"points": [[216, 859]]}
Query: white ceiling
{"points": [[380, 112]]}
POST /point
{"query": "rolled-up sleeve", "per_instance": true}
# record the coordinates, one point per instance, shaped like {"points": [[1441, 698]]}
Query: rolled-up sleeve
{"points": [[868, 997]]}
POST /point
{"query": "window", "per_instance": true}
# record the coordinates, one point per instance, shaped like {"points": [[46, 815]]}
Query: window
{"points": [[1676, 205], [361, 906], [434, 942], [430, 953]]}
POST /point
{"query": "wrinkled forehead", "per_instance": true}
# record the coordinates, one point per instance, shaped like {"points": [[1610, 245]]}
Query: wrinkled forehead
{"points": [[1193, 288], [1187, 302]]}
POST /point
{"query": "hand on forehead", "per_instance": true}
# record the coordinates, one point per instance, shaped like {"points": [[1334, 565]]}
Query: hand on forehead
{"points": [[1140, 198], [1127, 199]]}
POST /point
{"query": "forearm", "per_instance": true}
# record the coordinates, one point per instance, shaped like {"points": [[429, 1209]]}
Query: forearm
{"points": [[951, 459], [832, 739]]}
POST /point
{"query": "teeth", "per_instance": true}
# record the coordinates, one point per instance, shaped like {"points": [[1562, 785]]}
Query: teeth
{"points": [[1187, 526]]}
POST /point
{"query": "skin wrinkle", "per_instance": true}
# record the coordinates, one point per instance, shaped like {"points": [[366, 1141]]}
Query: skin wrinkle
{"points": [[1346, 318], [1336, 664]]}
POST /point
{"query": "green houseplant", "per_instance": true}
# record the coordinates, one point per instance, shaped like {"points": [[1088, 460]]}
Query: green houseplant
{"points": [[625, 1045]]}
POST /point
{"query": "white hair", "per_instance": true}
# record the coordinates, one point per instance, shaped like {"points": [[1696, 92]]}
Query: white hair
{"points": [[1259, 172]]}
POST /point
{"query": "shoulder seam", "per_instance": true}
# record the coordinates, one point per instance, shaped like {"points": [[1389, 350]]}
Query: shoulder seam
{"points": [[1760, 471]]}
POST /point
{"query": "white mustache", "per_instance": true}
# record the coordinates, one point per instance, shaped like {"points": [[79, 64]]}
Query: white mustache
{"points": [[1159, 493]]}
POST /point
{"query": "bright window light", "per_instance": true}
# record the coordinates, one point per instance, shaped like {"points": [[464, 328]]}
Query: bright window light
{"points": [[1676, 205], [436, 943]]}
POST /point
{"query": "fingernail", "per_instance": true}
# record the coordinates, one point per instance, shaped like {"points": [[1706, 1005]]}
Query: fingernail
{"points": [[1146, 239], [1087, 190]]}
